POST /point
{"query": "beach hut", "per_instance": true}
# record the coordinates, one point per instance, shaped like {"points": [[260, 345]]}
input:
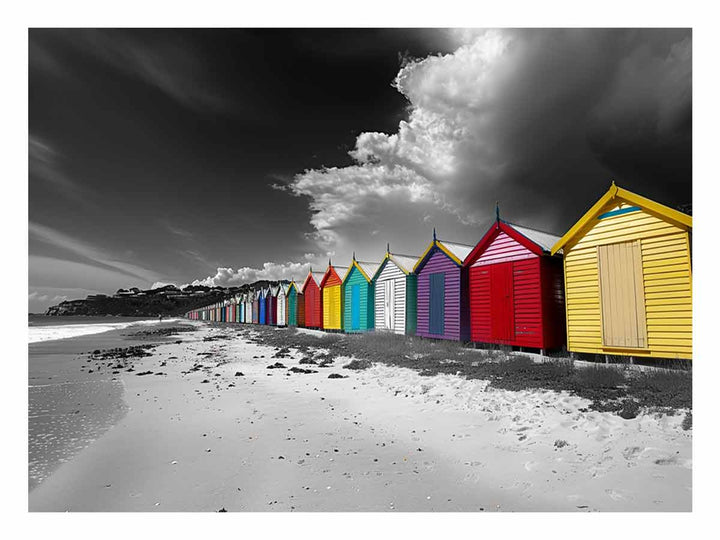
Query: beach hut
{"points": [[516, 288], [359, 297], [281, 306], [248, 307], [331, 285], [262, 306], [272, 292], [256, 306], [313, 300], [442, 303], [628, 278], [240, 299], [395, 287], [291, 294]]}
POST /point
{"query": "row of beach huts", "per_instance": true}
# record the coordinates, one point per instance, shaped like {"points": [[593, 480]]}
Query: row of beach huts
{"points": [[619, 282]]}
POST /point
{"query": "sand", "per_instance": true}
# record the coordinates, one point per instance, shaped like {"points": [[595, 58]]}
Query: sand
{"points": [[382, 439]]}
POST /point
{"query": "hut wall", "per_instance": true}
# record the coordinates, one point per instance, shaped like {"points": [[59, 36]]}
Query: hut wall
{"points": [[292, 307], [313, 306], [358, 303], [300, 306]]}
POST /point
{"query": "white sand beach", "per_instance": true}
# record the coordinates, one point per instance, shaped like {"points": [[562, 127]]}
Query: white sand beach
{"points": [[382, 439]]}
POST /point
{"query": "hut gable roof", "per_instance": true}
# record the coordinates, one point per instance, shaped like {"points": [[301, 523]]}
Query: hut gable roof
{"points": [[404, 262], [290, 286], [613, 196], [311, 276], [539, 242], [367, 269], [274, 290], [455, 251], [331, 271]]}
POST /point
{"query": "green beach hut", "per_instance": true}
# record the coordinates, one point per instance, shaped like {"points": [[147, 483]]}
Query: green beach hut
{"points": [[292, 301]]}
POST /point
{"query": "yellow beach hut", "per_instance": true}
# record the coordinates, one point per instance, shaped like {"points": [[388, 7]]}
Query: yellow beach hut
{"points": [[628, 279]]}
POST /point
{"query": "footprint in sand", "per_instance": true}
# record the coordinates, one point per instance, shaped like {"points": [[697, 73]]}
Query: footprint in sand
{"points": [[632, 452], [615, 495]]}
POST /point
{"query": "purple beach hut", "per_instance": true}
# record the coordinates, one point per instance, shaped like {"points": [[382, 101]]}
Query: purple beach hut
{"points": [[442, 291]]}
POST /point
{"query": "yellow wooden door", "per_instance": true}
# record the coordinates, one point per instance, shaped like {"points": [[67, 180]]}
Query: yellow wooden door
{"points": [[622, 295], [331, 307]]}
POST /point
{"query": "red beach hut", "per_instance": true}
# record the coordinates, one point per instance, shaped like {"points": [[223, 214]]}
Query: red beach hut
{"points": [[516, 288], [313, 300]]}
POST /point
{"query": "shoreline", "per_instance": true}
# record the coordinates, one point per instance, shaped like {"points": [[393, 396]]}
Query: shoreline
{"points": [[69, 406], [203, 438]]}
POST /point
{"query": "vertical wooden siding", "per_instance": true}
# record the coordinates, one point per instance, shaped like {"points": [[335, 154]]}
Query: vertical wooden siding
{"points": [[300, 310], [332, 306], [292, 307], [622, 298], [667, 283], [281, 311], [411, 305]]}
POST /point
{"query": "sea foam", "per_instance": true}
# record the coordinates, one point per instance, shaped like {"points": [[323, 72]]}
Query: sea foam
{"points": [[65, 331]]}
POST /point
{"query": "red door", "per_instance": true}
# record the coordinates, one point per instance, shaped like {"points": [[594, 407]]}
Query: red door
{"points": [[501, 302]]}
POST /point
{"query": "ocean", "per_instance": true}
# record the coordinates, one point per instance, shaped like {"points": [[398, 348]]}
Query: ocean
{"points": [[48, 328]]}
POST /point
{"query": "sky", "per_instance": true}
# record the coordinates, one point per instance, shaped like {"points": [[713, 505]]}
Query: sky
{"points": [[225, 156]]}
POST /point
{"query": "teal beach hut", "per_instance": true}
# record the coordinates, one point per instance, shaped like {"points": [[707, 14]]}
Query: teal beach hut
{"points": [[359, 297]]}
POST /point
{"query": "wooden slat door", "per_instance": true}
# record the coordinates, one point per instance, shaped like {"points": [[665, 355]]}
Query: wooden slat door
{"points": [[389, 304], [622, 295], [355, 306], [502, 321], [436, 321]]}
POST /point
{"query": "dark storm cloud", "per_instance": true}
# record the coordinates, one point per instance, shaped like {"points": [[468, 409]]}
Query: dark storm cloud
{"points": [[540, 120]]}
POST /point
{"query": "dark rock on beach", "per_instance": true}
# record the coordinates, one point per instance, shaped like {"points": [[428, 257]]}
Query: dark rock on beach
{"points": [[295, 369], [276, 365]]}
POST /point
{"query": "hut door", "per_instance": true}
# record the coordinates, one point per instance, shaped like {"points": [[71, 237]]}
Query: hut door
{"points": [[622, 295], [355, 307], [501, 302], [436, 317], [390, 304]]}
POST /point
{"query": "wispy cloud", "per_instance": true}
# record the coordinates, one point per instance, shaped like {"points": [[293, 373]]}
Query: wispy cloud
{"points": [[177, 231], [89, 252], [45, 164], [164, 61]]}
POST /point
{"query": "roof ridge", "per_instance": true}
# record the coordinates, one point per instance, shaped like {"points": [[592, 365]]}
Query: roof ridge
{"points": [[528, 227], [458, 243]]}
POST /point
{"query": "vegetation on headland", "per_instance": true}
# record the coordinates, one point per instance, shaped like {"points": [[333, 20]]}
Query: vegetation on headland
{"points": [[619, 389], [166, 301]]}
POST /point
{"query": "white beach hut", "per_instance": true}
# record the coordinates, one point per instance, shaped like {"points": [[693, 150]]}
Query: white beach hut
{"points": [[248, 307], [395, 294], [281, 319], [240, 309]]}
